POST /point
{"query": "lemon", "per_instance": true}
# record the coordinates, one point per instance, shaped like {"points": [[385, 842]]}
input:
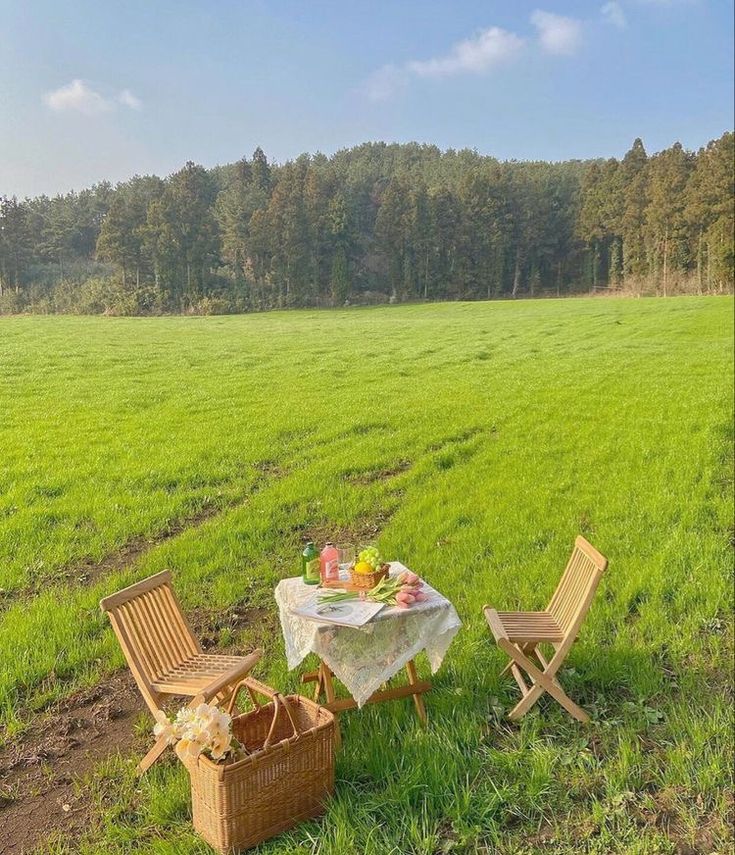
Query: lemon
{"points": [[363, 567]]}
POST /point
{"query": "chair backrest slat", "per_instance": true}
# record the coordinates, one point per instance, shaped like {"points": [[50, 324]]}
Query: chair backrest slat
{"points": [[131, 614], [162, 603], [153, 633], [571, 588], [158, 645], [176, 618], [580, 579]]}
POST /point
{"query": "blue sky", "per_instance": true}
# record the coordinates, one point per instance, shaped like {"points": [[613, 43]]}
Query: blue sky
{"points": [[92, 91]]}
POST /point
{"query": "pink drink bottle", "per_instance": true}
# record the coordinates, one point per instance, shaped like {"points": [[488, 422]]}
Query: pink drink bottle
{"points": [[329, 563]]}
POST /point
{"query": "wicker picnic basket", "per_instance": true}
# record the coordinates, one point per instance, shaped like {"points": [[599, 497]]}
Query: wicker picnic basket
{"points": [[286, 778], [368, 581]]}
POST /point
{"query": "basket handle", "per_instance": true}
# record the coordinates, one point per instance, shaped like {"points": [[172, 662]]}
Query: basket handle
{"points": [[254, 687], [278, 704]]}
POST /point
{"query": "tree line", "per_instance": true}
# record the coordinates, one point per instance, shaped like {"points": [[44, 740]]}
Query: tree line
{"points": [[374, 223]]}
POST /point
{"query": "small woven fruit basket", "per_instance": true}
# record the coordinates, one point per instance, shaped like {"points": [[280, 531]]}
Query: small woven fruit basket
{"points": [[285, 779], [368, 581]]}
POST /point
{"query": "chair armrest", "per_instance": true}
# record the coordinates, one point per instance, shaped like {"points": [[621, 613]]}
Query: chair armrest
{"points": [[495, 624], [229, 678]]}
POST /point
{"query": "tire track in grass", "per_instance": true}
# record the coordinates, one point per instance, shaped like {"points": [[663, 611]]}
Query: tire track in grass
{"points": [[207, 624], [87, 572]]}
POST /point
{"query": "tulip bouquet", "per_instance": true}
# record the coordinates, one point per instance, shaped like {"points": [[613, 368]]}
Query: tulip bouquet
{"points": [[203, 729], [403, 591]]}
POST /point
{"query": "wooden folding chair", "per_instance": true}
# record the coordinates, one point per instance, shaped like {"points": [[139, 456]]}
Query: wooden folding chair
{"points": [[519, 634], [164, 655]]}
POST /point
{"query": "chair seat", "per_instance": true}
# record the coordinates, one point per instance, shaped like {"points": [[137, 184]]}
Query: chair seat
{"points": [[195, 674], [526, 626]]}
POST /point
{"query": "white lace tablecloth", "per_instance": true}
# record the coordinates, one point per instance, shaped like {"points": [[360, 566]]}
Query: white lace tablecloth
{"points": [[363, 659]]}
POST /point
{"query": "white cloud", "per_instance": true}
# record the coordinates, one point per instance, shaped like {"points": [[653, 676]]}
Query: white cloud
{"points": [[557, 34], [385, 82], [127, 99], [79, 97], [613, 14], [471, 56]]}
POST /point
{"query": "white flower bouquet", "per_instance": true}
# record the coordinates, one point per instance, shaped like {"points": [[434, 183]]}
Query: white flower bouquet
{"points": [[203, 729]]}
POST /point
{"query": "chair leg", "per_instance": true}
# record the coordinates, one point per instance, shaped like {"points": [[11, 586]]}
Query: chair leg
{"points": [[525, 704], [528, 648], [160, 744], [544, 681], [150, 758]]}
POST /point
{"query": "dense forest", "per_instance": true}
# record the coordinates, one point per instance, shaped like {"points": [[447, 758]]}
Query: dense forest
{"points": [[370, 224]]}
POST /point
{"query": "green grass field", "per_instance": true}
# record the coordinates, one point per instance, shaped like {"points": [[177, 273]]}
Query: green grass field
{"points": [[477, 440]]}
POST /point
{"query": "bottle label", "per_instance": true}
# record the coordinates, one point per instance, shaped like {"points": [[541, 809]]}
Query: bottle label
{"points": [[311, 570], [331, 570]]}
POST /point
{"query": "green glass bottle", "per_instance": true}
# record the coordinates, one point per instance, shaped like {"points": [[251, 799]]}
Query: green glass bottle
{"points": [[310, 564]]}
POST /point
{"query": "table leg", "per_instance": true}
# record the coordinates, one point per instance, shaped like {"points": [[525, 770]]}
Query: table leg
{"points": [[418, 697], [319, 688], [325, 686], [325, 677]]}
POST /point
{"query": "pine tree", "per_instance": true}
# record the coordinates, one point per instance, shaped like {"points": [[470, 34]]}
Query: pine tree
{"points": [[634, 178], [342, 242], [665, 222], [59, 233], [261, 172], [182, 231], [445, 219], [709, 212], [392, 227], [16, 247], [592, 224], [122, 233], [421, 240]]}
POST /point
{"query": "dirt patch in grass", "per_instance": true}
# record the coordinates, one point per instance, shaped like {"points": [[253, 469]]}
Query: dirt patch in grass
{"points": [[711, 833], [371, 476], [361, 531], [219, 629], [270, 470], [40, 775], [458, 438], [656, 815]]}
